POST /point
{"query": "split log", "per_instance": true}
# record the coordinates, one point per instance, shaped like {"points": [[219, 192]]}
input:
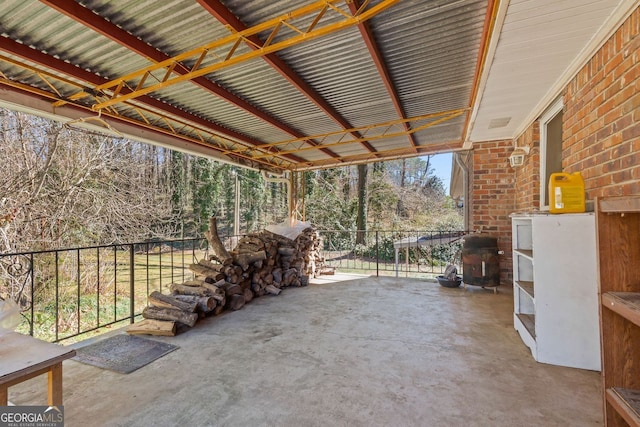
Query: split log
{"points": [[251, 240], [161, 313], [244, 259], [304, 280], [219, 251], [203, 304], [289, 276], [219, 309], [156, 299], [217, 293], [199, 291], [277, 275], [153, 327], [236, 302], [206, 272], [232, 289], [273, 290], [287, 251], [248, 295], [247, 247], [268, 279], [211, 265], [220, 283], [194, 283], [197, 282]]}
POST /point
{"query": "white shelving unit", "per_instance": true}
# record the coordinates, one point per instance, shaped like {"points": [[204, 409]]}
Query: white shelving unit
{"points": [[555, 288]]}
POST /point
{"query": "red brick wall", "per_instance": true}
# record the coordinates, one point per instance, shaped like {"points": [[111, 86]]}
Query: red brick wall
{"points": [[527, 177], [493, 195], [601, 128], [601, 133]]}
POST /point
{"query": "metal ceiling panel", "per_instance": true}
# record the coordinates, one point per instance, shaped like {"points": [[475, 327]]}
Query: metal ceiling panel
{"points": [[431, 49], [45, 29]]}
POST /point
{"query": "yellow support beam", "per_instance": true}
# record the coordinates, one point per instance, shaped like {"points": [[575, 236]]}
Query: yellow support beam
{"points": [[373, 132], [149, 119], [386, 155], [228, 51]]}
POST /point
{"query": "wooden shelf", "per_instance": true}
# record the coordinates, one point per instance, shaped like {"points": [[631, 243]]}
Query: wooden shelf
{"points": [[626, 403], [626, 304], [527, 253], [623, 204], [527, 287], [618, 220], [529, 322]]}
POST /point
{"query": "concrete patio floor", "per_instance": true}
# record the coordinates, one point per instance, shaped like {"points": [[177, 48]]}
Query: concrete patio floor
{"points": [[365, 352]]}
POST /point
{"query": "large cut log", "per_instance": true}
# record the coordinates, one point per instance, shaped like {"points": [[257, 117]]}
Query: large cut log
{"points": [[197, 282], [328, 270], [210, 274], [194, 283], [212, 265], [203, 304], [157, 299], [232, 289], [161, 313], [248, 247], [217, 293], [236, 302], [219, 251], [244, 259], [190, 290], [153, 327]]}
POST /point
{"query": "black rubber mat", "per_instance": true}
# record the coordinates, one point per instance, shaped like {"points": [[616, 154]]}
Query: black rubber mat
{"points": [[123, 353]]}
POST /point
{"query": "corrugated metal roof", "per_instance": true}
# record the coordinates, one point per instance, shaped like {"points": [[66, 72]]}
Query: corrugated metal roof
{"points": [[430, 48]]}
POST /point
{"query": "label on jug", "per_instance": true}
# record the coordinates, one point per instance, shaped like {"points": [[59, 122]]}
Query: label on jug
{"points": [[558, 198]]}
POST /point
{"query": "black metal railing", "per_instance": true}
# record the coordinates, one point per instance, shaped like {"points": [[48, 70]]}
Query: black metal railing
{"points": [[406, 253], [65, 293]]}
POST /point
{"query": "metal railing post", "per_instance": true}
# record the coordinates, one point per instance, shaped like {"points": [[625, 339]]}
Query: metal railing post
{"points": [[98, 286], [377, 256], [132, 296], [78, 291], [57, 296], [33, 281]]}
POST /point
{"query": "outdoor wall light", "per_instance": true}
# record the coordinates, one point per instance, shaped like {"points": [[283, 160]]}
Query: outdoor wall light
{"points": [[516, 159]]}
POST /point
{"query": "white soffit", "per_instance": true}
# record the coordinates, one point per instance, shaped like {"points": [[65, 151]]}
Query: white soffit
{"points": [[542, 44]]}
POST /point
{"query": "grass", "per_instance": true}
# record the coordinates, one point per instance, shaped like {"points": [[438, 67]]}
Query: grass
{"points": [[94, 289]]}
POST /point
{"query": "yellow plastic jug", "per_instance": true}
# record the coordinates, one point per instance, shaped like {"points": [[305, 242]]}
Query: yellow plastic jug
{"points": [[566, 193]]}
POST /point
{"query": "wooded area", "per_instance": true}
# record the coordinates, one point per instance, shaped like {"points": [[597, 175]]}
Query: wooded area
{"points": [[65, 187]]}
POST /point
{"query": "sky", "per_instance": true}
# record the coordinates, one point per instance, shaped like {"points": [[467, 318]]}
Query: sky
{"points": [[442, 168]]}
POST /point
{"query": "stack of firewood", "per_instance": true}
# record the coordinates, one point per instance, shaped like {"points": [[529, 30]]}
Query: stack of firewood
{"points": [[261, 263]]}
